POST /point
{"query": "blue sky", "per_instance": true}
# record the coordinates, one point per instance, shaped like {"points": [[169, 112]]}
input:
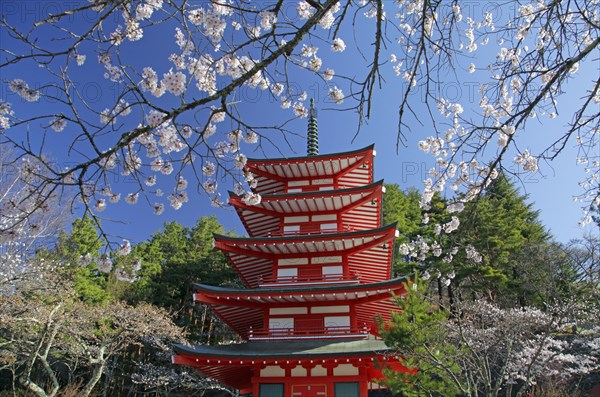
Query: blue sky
{"points": [[551, 189]]}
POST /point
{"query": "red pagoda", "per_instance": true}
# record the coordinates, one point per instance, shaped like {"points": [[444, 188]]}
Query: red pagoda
{"points": [[317, 267]]}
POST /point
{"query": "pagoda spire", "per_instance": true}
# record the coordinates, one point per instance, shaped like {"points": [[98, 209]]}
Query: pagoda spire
{"points": [[312, 144]]}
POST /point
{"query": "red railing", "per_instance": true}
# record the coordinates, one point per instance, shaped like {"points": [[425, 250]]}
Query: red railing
{"points": [[311, 231], [333, 332], [318, 279]]}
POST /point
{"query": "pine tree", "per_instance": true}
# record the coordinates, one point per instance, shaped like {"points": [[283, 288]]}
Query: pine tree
{"points": [[83, 239], [403, 208], [499, 226], [172, 261], [77, 250], [417, 334]]}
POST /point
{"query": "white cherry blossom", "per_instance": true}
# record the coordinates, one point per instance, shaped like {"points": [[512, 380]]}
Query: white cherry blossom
{"points": [[338, 45]]}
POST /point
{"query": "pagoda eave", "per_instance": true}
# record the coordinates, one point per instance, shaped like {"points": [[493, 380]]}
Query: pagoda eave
{"points": [[291, 246], [369, 252], [356, 194], [365, 149], [355, 293], [266, 166], [233, 364], [263, 219], [293, 350], [243, 309]]}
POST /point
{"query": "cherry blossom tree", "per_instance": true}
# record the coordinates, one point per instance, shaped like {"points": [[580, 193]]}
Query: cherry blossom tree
{"points": [[539, 50], [173, 132], [181, 116], [30, 219], [164, 379], [43, 324], [487, 350], [584, 254]]}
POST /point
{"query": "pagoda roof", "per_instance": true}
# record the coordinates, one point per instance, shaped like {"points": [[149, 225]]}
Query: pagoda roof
{"points": [[265, 217], [232, 364], [287, 349], [349, 169], [323, 165], [253, 257], [243, 309]]}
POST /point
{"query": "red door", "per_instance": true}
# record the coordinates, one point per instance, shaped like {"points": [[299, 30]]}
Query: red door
{"points": [[309, 390], [309, 326], [310, 273]]}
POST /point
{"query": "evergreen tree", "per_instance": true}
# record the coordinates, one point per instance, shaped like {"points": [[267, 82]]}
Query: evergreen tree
{"points": [[212, 265], [163, 256], [416, 227], [417, 333], [172, 260], [77, 250], [498, 226], [402, 207], [82, 240]]}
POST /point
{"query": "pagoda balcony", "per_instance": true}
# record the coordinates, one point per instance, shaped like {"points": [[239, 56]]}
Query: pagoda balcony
{"points": [[334, 332], [299, 281]]}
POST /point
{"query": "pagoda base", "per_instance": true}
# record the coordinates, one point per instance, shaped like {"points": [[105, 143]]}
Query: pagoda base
{"points": [[294, 368]]}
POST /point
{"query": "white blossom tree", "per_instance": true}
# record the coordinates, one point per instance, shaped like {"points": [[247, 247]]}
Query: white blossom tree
{"points": [[486, 350], [164, 379], [30, 219], [169, 116], [44, 326], [584, 254]]}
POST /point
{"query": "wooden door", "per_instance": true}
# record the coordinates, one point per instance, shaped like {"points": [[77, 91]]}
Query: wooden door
{"points": [[309, 326], [309, 273], [309, 390]]}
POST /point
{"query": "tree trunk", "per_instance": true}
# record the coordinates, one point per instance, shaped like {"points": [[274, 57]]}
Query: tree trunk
{"points": [[96, 374], [33, 387], [25, 380], [452, 301]]}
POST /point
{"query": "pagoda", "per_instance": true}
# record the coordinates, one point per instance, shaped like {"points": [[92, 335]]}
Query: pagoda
{"points": [[317, 268]]}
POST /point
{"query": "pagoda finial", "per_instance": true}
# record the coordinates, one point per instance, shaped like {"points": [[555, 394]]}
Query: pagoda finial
{"points": [[312, 144]]}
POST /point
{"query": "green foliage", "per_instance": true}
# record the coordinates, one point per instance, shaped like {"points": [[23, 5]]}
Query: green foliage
{"points": [[83, 239], [403, 207], [104, 327], [499, 226], [519, 262], [175, 258], [90, 285], [416, 332]]}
